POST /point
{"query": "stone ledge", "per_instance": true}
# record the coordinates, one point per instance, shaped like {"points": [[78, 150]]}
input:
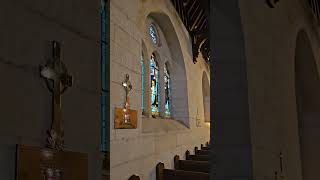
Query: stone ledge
{"points": [[158, 126]]}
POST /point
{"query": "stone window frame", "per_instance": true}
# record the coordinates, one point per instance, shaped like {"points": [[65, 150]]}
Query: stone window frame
{"points": [[179, 106], [148, 48]]}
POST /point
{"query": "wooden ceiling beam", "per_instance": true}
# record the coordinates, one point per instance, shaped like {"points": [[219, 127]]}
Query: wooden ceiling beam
{"points": [[197, 19], [194, 15], [195, 11], [203, 23], [193, 3], [203, 18]]}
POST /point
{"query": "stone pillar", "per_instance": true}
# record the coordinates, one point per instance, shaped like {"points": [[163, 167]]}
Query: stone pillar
{"points": [[230, 127], [147, 99]]}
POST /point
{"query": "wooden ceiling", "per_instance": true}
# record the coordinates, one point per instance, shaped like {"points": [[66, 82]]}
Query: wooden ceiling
{"points": [[195, 16]]}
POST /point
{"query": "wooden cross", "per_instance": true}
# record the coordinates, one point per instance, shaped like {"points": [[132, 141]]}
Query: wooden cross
{"points": [[58, 80]]}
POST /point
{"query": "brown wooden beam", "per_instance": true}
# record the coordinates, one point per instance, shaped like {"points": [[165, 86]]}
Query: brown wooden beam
{"points": [[204, 22], [193, 3], [197, 19], [195, 11]]}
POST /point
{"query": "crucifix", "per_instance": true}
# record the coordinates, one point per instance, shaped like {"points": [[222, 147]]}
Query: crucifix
{"points": [[125, 118], [58, 80], [52, 162], [127, 86]]}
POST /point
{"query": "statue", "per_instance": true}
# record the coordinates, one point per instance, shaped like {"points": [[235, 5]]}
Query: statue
{"points": [[126, 118], [126, 110]]}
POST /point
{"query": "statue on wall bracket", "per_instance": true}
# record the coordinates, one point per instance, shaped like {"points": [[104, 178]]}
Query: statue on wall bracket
{"points": [[126, 118]]}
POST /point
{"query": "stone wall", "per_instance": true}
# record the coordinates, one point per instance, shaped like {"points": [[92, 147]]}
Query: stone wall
{"points": [[270, 42], [137, 151], [26, 29]]}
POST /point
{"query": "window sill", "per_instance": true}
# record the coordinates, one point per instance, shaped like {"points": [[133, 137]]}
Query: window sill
{"points": [[161, 125]]}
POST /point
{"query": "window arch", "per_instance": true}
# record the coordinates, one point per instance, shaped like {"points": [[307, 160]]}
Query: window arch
{"points": [[154, 35], [161, 99], [155, 86]]}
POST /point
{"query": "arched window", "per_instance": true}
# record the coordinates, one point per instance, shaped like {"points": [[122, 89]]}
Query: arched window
{"points": [[153, 34], [167, 89], [154, 77]]}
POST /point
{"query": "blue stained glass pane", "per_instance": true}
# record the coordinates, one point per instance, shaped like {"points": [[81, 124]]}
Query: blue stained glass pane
{"points": [[153, 34], [167, 89], [154, 78]]}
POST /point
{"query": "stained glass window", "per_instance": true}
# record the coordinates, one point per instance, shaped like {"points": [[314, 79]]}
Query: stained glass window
{"points": [[154, 75], [167, 89], [153, 34]]}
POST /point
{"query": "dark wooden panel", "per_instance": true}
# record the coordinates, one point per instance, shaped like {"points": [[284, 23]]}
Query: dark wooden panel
{"points": [[32, 160], [202, 152], [191, 165], [198, 157], [204, 147], [169, 174], [134, 177]]}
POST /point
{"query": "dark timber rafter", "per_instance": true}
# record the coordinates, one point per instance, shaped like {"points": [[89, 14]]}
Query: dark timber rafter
{"points": [[194, 14]]}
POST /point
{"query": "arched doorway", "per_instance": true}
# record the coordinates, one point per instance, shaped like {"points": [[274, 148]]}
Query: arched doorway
{"points": [[307, 86]]}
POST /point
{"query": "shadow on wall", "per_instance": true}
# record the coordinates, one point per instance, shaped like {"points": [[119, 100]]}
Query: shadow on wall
{"points": [[206, 97], [308, 106]]}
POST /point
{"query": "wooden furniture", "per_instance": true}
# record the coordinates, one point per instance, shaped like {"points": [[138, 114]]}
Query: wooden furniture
{"points": [[196, 157], [190, 165], [35, 163], [170, 174], [204, 147], [134, 177], [200, 152]]}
